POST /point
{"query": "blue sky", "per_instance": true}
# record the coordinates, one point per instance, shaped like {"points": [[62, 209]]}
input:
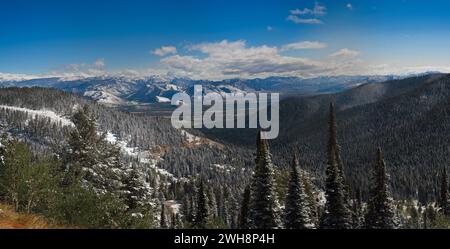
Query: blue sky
{"points": [[224, 38]]}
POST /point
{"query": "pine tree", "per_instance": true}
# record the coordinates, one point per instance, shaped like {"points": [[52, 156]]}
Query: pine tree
{"points": [[380, 208], [337, 213], [193, 205], [357, 211], [92, 163], [186, 209], [234, 207], [312, 198], [429, 216], [202, 215], [137, 190], [25, 181], [224, 213], [298, 214], [162, 191], [212, 203], [17, 160], [177, 223], [163, 218], [264, 206], [230, 212], [244, 213], [3, 141], [444, 202], [91, 157], [137, 195]]}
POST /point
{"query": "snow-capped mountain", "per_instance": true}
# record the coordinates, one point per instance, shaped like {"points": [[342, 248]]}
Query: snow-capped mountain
{"points": [[120, 90]]}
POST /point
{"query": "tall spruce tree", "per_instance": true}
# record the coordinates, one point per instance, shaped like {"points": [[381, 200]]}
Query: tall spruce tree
{"points": [[380, 208], [202, 214], [337, 213], [264, 206], [297, 210], [444, 202], [244, 213]]}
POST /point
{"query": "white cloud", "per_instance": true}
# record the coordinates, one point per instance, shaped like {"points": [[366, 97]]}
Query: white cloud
{"points": [[299, 20], [318, 10], [304, 11], [100, 63], [164, 50], [349, 6], [218, 61], [235, 59], [304, 45], [307, 16], [345, 52]]}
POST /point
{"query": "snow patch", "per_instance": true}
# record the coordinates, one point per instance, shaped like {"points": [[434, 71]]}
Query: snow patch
{"points": [[220, 167], [142, 156], [190, 137], [162, 99], [104, 97], [54, 117]]}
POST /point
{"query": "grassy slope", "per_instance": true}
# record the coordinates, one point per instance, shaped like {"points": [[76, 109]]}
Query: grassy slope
{"points": [[10, 219]]}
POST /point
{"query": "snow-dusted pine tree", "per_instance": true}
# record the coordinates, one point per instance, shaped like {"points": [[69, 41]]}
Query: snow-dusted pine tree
{"points": [[380, 208], [357, 211], [264, 206], [444, 198], [202, 214], [91, 157], [297, 212], [244, 212], [137, 194], [212, 202], [337, 213]]}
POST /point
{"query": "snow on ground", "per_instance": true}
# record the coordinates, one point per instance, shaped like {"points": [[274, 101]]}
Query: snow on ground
{"points": [[104, 97], [226, 168], [144, 157], [54, 117], [152, 164], [190, 137], [112, 138], [162, 99]]}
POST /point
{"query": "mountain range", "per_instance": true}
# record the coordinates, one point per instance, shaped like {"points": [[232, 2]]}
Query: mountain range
{"points": [[122, 90]]}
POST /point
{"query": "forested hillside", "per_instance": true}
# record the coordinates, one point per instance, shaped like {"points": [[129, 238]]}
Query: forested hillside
{"points": [[142, 152], [409, 118], [375, 157]]}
